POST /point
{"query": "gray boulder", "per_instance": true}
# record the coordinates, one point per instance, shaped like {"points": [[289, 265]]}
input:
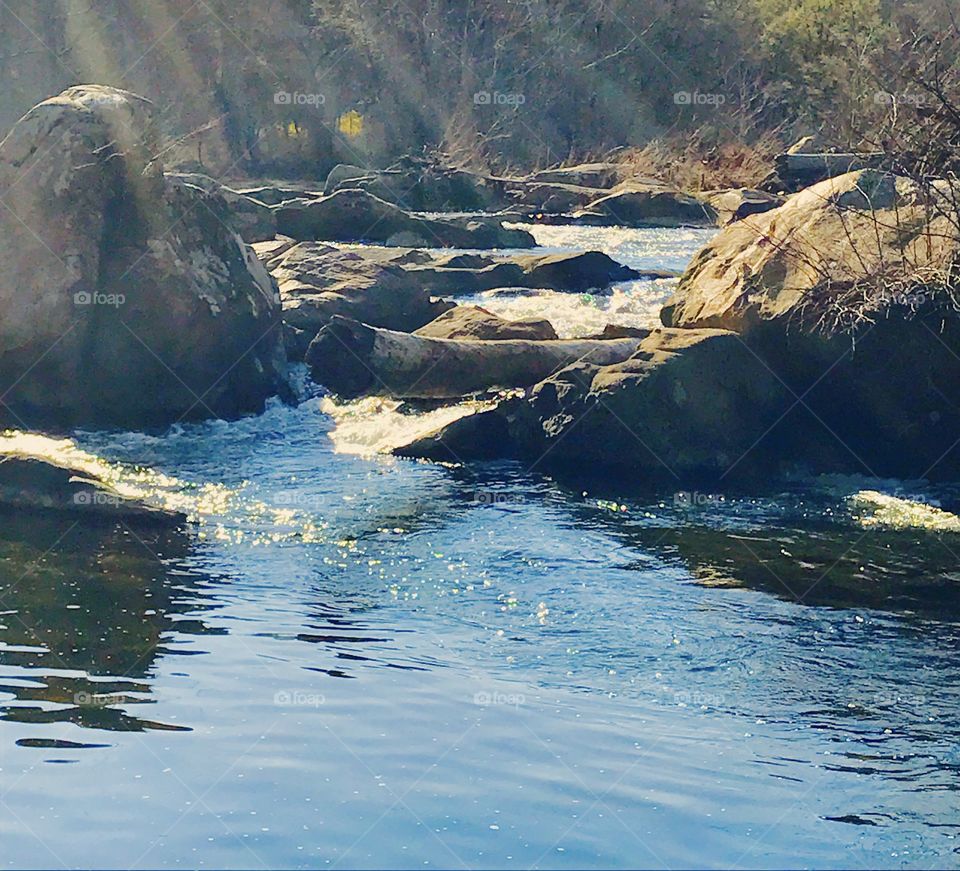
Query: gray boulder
{"points": [[125, 297]]}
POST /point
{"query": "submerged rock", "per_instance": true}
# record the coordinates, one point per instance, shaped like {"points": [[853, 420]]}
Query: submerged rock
{"points": [[32, 483], [351, 359], [125, 300]]}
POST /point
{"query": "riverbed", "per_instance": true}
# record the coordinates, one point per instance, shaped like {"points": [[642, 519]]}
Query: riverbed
{"points": [[347, 660]]}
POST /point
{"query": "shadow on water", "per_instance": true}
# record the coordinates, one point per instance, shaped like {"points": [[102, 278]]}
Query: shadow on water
{"points": [[896, 571], [811, 551], [85, 613]]}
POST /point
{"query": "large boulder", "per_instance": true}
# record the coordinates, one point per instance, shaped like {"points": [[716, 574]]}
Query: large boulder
{"points": [[836, 234], [634, 204], [473, 322], [353, 215], [351, 359], [844, 293], [125, 298], [688, 404]]}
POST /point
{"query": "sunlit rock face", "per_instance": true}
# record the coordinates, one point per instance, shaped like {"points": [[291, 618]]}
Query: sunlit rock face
{"points": [[125, 299]]}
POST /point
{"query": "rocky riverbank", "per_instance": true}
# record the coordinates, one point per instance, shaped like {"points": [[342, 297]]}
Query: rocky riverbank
{"points": [[818, 331]]}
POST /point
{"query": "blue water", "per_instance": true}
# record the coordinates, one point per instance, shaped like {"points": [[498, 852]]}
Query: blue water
{"points": [[479, 667]]}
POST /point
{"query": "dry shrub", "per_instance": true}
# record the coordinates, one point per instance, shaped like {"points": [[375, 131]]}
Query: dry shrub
{"points": [[692, 163]]}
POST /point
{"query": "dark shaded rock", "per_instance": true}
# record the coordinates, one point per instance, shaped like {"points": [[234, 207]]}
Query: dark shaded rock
{"points": [[479, 436], [574, 272], [796, 170], [687, 404], [29, 483]]}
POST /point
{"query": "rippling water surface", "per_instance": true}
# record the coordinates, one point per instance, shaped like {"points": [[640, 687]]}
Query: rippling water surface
{"points": [[353, 661]]}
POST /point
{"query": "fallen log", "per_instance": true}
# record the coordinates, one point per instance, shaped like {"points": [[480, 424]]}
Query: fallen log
{"points": [[350, 359], [826, 164], [795, 171]]}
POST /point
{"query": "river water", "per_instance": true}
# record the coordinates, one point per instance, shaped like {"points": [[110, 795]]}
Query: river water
{"points": [[357, 662]]}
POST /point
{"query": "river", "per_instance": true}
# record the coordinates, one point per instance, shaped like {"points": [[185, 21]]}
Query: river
{"points": [[352, 661]]}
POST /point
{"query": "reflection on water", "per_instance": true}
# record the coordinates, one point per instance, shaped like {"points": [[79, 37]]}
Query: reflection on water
{"points": [[87, 610]]}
